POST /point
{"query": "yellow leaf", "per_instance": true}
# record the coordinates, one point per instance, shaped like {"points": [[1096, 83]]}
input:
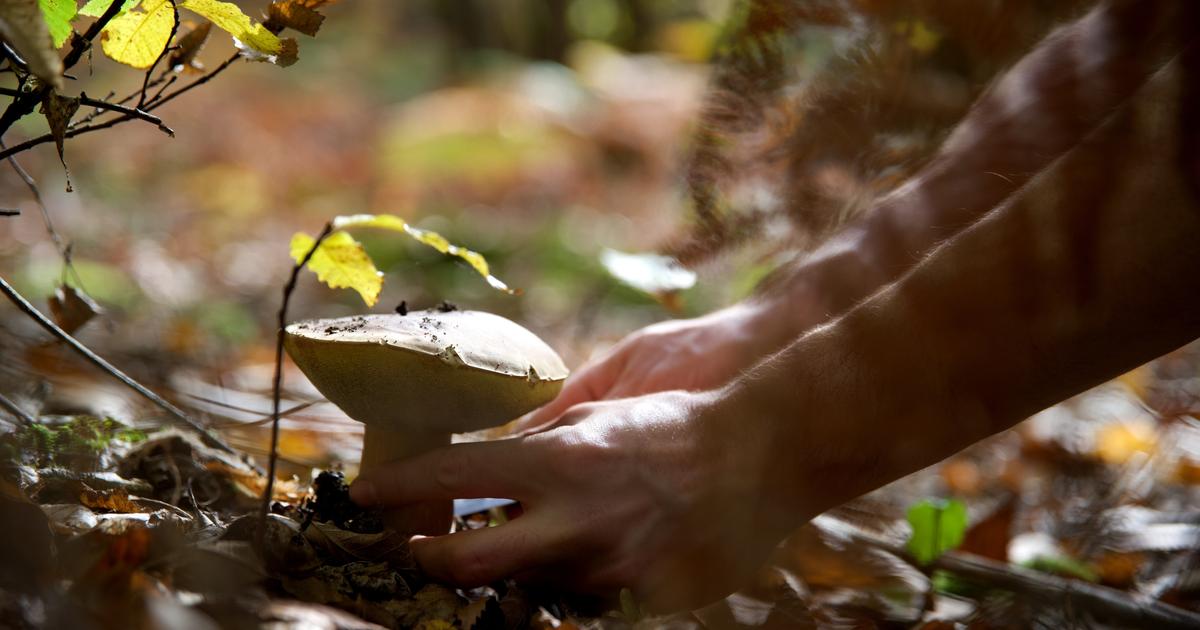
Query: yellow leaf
{"points": [[229, 18], [342, 263], [137, 37], [432, 239]]}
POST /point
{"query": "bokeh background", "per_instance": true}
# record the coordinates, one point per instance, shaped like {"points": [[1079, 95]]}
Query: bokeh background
{"points": [[538, 133]]}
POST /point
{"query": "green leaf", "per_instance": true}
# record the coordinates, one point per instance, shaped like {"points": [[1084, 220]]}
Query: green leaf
{"points": [[96, 8], [342, 263], [58, 15], [432, 239], [937, 527]]}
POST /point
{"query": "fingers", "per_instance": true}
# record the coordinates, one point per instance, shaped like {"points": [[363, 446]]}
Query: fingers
{"points": [[482, 556], [502, 468], [589, 384]]}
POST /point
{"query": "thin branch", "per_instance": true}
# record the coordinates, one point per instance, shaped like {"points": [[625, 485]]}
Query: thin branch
{"points": [[64, 250], [134, 112], [174, 29], [18, 413], [198, 82], [277, 385], [150, 106], [99, 362], [84, 99], [80, 44], [1102, 602]]}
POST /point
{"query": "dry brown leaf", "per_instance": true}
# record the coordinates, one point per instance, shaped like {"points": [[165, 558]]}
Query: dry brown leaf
{"points": [[72, 308], [26, 545], [109, 500], [24, 27], [346, 546], [294, 14], [59, 110], [188, 46]]}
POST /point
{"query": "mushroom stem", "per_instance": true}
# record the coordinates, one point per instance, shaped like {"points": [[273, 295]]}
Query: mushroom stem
{"points": [[381, 446]]}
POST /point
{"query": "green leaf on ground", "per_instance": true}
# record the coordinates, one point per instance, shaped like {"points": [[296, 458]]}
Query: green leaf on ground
{"points": [[937, 527]]}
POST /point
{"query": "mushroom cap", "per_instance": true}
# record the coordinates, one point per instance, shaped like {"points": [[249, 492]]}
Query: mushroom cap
{"points": [[427, 371]]}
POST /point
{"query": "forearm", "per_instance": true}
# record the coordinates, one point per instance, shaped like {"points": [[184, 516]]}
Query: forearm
{"points": [[1087, 272], [1038, 111]]}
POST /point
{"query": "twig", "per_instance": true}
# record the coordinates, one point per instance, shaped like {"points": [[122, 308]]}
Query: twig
{"points": [[99, 362], [1105, 603], [10, 213], [174, 29], [64, 250], [80, 44], [150, 106], [277, 385], [198, 82], [12, 408], [114, 107]]}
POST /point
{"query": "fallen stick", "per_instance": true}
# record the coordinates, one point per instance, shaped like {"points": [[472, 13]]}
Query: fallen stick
{"points": [[175, 412]]}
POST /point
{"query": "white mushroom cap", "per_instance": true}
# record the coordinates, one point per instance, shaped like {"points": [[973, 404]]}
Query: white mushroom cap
{"points": [[427, 371]]}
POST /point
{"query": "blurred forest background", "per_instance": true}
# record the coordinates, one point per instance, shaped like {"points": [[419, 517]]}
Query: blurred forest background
{"points": [[538, 133], [543, 133]]}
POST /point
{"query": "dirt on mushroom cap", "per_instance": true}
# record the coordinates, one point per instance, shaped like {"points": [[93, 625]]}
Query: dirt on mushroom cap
{"points": [[476, 339]]}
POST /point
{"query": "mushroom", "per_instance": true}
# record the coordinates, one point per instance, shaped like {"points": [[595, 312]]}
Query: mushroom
{"points": [[414, 379]]}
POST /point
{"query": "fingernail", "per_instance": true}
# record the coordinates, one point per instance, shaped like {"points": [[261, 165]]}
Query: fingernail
{"points": [[362, 492]]}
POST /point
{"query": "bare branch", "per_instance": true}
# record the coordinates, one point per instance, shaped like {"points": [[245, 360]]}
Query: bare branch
{"points": [[174, 29], [16, 411], [175, 412], [277, 384]]}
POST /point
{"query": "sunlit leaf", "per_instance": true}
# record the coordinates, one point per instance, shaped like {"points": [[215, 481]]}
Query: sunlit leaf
{"points": [[137, 37], [432, 239], [58, 15], [937, 527], [649, 273], [96, 8], [342, 263], [230, 18], [24, 28]]}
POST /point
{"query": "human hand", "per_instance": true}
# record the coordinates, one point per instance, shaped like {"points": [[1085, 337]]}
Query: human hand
{"points": [[688, 354], [674, 495]]}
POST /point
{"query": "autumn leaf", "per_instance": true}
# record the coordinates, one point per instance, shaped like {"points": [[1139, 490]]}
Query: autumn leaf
{"points": [[58, 15], [298, 15], [188, 46], [24, 28], [432, 239], [229, 18], [137, 37], [342, 263], [58, 111]]}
